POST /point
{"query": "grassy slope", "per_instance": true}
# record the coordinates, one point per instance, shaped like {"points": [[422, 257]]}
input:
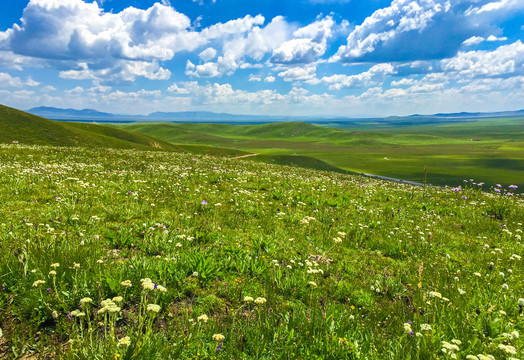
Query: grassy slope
{"points": [[29, 129], [344, 263], [489, 150], [16, 125]]}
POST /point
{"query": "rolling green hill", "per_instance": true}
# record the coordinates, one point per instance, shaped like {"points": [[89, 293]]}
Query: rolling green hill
{"points": [[25, 128], [488, 150]]}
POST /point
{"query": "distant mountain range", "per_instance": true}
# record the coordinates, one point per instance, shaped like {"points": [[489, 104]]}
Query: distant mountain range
{"points": [[472, 115], [199, 116], [90, 114]]}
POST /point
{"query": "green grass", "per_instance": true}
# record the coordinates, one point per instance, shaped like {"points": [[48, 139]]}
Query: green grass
{"points": [[343, 266], [23, 128], [488, 150]]}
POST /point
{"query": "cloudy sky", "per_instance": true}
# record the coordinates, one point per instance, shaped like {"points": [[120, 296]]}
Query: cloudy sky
{"points": [[296, 57]]}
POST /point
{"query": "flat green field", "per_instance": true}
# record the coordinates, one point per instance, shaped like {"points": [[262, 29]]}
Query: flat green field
{"points": [[486, 150]]}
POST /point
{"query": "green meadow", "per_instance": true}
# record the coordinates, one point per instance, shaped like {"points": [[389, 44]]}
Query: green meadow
{"points": [[132, 254], [487, 150], [118, 245]]}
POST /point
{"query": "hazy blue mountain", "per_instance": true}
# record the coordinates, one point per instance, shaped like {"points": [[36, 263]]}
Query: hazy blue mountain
{"points": [[207, 116], [68, 113]]}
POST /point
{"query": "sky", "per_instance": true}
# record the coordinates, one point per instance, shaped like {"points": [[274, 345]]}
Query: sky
{"points": [[276, 57]]}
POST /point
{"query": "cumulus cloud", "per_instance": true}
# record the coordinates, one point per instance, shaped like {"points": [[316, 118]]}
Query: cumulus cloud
{"points": [[309, 43], [6, 80], [208, 54], [74, 29], [474, 40], [48, 88], [403, 82], [232, 27], [87, 43], [241, 41], [497, 6], [503, 61], [185, 88], [225, 95], [269, 79], [422, 30], [82, 37], [375, 75], [206, 70], [125, 71], [298, 73]]}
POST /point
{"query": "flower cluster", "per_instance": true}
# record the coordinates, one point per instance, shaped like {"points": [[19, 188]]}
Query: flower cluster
{"points": [[108, 306]]}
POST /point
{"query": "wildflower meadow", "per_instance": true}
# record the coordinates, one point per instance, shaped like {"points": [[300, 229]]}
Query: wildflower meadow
{"points": [[127, 254]]}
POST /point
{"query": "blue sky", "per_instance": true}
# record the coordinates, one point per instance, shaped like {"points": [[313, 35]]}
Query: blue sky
{"points": [[292, 57]]}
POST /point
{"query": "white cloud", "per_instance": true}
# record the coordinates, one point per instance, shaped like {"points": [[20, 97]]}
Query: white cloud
{"points": [[126, 71], [130, 97], [375, 75], [205, 70], [240, 40], [208, 54], [387, 24], [505, 60], [185, 88], [225, 98], [6, 80], [494, 38], [434, 29], [31, 82], [318, 31], [74, 29], [495, 6], [309, 43], [48, 88], [232, 27], [298, 73], [10, 60], [253, 77], [246, 65], [223, 94], [298, 51], [269, 79], [75, 91], [150, 70], [403, 82], [87, 42], [474, 40], [84, 42]]}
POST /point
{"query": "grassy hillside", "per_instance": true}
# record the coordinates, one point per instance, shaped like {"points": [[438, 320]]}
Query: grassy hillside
{"points": [[16, 125], [24, 128], [487, 150], [122, 254]]}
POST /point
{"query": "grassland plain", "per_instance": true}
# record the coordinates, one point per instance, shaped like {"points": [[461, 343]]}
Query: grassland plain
{"points": [[488, 150], [126, 254]]}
